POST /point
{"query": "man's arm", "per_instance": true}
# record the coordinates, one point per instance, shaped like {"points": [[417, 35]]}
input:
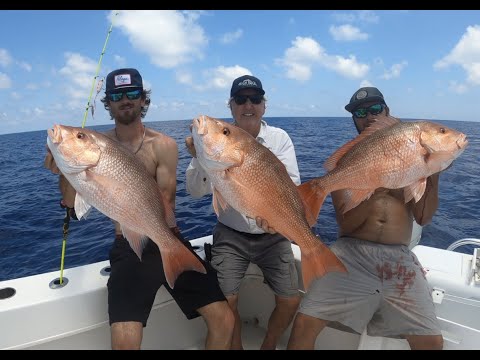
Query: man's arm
{"points": [[286, 154], [166, 172], [425, 208]]}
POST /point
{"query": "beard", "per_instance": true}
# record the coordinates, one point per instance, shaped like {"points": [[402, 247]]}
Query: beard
{"points": [[128, 115]]}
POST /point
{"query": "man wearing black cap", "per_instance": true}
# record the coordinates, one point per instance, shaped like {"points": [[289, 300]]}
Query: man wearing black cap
{"points": [[235, 235], [133, 284], [385, 289]]}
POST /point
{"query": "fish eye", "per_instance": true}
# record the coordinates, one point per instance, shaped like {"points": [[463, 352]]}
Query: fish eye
{"points": [[80, 135], [442, 130], [226, 131]]}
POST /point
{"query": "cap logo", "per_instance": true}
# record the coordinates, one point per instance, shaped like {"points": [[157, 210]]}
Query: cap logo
{"points": [[247, 82], [123, 79], [362, 94]]}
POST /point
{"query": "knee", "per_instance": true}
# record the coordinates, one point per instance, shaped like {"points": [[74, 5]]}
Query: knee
{"points": [[288, 303], [437, 343], [223, 321]]}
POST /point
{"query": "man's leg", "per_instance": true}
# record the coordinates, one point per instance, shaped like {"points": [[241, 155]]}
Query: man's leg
{"points": [[220, 322], [126, 335], [305, 331], [280, 318], [425, 342]]}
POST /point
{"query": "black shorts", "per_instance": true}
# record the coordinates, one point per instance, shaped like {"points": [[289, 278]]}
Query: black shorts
{"points": [[133, 284]]}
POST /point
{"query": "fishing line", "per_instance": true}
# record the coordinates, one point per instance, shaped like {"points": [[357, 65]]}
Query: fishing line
{"points": [[99, 88], [100, 84]]}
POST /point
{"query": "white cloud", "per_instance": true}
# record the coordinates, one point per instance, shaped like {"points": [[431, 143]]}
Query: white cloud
{"points": [[219, 78], [347, 32], [367, 16], [5, 81], [362, 16], [168, 37], [457, 87], [78, 72], [25, 66], [394, 71], [231, 37], [120, 61], [466, 53], [15, 95], [5, 58], [305, 53], [365, 83]]}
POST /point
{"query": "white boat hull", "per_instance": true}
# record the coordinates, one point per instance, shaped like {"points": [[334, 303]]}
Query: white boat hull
{"points": [[75, 316]]}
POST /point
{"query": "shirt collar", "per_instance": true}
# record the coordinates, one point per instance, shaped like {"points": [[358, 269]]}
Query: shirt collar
{"points": [[263, 130]]}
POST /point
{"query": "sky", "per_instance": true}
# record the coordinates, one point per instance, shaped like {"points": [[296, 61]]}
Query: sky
{"points": [[425, 62]]}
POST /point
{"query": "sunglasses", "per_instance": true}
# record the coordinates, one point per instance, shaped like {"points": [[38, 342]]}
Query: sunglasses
{"points": [[242, 99], [131, 95], [374, 110]]}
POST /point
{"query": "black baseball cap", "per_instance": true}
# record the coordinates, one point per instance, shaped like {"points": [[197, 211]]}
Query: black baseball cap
{"points": [[246, 82], [363, 95], [123, 78]]}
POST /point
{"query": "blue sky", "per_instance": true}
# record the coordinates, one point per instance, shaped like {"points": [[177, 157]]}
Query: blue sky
{"points": [[426, 62]]}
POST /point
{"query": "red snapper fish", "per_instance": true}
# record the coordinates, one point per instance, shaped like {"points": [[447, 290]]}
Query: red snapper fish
{"points": [[108, 176], [388, 154], [250, 178]]}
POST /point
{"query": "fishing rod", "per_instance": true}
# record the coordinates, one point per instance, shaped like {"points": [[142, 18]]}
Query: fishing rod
{"points": [[66, 220], [100, 84]]}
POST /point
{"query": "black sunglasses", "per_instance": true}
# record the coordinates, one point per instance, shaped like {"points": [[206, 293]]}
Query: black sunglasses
{"points": [[375, 109], [131, 95], [242, 99]]}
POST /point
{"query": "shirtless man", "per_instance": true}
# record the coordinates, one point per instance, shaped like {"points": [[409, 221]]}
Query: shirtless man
{"points": [[385, 289], [133, 284]]}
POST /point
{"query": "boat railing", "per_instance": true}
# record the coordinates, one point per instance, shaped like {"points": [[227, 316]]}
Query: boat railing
{"points": [[474, 273], [462, 242]]}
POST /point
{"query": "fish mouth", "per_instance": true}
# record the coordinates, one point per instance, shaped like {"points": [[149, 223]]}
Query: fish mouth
{"points": [[55, 134], [462, 142], [200, 125]]}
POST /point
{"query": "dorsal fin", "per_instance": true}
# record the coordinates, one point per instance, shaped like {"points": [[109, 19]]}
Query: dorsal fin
{"points": [[377, 124]]}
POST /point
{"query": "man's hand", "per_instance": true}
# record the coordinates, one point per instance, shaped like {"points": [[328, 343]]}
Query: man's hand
{"points": [[68, 192], [262, 223], [190, 146], [49, 162]]}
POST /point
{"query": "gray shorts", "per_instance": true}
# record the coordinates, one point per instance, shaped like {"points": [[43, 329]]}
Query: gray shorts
{"points": [[385, 289], [232, 252]]}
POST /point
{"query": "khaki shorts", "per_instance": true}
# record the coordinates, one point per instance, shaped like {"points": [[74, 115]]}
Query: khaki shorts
{"points": [[384, 290], [232, 252]]}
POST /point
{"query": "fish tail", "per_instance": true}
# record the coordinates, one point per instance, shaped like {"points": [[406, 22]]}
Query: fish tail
{"points": [[319, 261], [178, 259], [313, 195]]}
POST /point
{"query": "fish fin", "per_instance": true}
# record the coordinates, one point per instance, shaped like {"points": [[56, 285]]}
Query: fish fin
{"points": [[137, 241], [382, 122], [333, 160], [377, 124], [82, 208], [219, 202], [352, 198], [312, 197], [177, 259], [318, 261], [415, 191]]}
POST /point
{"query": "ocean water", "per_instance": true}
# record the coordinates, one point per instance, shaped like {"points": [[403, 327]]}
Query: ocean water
{"points": [[31, 220]]}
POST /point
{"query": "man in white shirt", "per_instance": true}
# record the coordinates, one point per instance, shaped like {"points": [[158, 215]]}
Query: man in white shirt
{"points": [[239, 240]]}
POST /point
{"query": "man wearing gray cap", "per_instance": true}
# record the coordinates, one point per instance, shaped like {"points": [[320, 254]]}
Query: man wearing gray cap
{"points": [[239, 240], [385, 290]]}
